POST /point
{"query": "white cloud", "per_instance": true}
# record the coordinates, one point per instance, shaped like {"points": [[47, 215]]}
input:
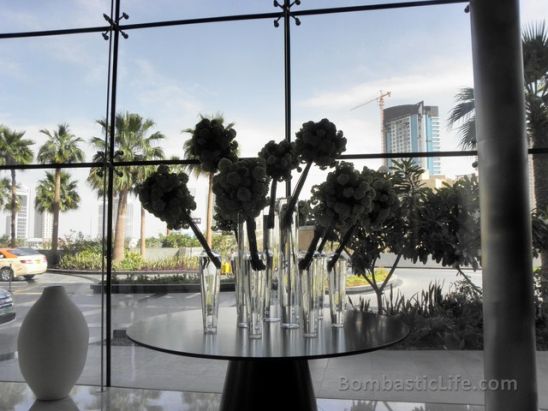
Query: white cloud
{"points": [[438, 80]]}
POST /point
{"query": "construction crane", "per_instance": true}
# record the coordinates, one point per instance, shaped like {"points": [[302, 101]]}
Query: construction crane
{"points": [[380, 99]]}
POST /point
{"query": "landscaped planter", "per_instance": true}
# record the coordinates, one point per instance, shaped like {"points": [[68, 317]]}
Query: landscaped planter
{"points": [[157, 288], [97, 272]]}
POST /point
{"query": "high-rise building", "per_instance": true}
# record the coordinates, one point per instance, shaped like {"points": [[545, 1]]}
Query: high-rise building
{"points": [[129, 217], [412, 128], [43, 225], [22, 216]]}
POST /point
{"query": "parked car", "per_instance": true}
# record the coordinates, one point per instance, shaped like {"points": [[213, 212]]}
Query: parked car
{"points": [[7, 310], [32, 262], [10, 266]]}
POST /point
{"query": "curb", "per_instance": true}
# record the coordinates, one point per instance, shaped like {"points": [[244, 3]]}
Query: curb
{"points": [[360, 289]]}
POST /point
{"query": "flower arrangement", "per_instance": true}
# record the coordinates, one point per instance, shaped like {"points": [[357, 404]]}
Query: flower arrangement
{"points": [[166, 196], [241, 188]]}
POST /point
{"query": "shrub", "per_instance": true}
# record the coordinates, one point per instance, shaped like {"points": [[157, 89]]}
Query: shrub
{"points": [[76, 242], [83, 260], [445, 321], [90, 260], [131, 262], [178, 240]]}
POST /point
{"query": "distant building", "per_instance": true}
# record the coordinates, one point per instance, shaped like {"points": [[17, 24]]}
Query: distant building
{"points": [[43, 225], [22, 217], [130, 227], [435, 182], [413, 128]]}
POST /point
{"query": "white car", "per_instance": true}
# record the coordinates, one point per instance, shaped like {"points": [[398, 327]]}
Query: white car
{"points": [[33, 261]]}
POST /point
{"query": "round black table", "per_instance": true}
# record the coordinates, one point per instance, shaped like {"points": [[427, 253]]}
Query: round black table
{"points": [[271, 372]]}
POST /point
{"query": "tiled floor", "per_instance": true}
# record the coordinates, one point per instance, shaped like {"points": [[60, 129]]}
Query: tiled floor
{"points": [[18, 397], [166, 376]]}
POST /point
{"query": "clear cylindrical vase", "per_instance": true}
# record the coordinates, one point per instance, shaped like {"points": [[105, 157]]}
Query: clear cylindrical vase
{"points": [[319, 262], [271, 259], [237, 271], [337, 290], [210, 280], [254, 286], [289, 269], [309, 301]]}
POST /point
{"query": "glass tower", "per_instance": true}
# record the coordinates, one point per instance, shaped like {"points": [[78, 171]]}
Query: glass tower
{"points": [[412, 128]]}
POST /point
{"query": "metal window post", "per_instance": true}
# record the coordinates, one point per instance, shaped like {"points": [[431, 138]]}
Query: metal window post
{"points": [[508, 313]]}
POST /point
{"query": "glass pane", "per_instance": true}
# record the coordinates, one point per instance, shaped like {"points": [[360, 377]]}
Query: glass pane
{"points": [[162, 279], [362, 54], [53, 81], [35, 15], [231, 69], [76, 266]]}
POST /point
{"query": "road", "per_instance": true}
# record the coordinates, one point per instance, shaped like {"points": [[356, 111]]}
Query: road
{"points": [[128, 308]]}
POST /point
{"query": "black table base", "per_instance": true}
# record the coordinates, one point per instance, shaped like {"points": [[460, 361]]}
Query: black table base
{"points": [[274, 384]]}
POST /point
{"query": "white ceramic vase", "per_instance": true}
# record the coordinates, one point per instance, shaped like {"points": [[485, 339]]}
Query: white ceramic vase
{"points": [[52, 345]]}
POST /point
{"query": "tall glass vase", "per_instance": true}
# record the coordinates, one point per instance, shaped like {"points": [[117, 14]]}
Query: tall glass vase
{"points": [[319, 262], [252, 274], [239, 268], [210, 281], [337, 290], [289, 269], [309, 302], [272, 261], [254, 289]]}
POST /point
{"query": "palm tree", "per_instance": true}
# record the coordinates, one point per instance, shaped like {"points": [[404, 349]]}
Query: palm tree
{"points": [[190, 153], [4, 193], [61, 147], [149, 152], [535, 63], [464, 115], [14, 150], [130, 139], [53, 194], [535, 67]]}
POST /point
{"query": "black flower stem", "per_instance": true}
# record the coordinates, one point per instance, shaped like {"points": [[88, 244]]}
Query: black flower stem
{"points": [[295, 196], [203, 242], [340, 248], [256, 262], [270, 221], [324, 239], [305, 262], [319, 232], [266, 233]]}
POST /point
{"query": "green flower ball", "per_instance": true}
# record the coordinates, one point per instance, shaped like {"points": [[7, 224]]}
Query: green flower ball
{"points": [[344, 198], [211, 141], [385, 198], [241, 187], [320, 143], [166, 196], [280, 159]]}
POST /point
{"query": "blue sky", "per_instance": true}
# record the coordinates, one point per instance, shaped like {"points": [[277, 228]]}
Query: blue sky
{"points": [[173, 74]]}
